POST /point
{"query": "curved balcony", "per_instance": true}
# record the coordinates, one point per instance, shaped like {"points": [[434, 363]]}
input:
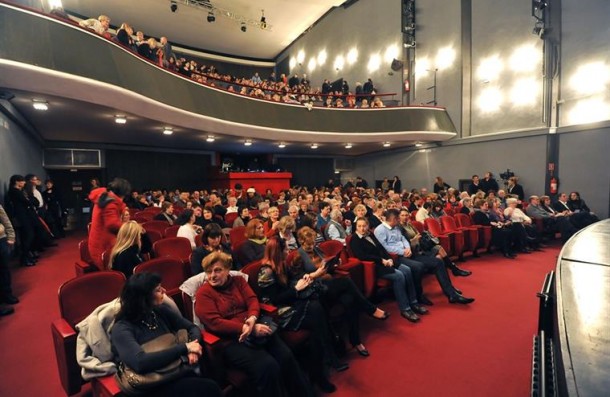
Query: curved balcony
{"points": [[43, 55]]}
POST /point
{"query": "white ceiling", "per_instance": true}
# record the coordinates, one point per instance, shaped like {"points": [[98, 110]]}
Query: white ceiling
{"points": [[189, 26]]}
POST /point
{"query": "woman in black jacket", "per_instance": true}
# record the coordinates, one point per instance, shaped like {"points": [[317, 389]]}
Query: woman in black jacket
{"points": [[131, 242]]}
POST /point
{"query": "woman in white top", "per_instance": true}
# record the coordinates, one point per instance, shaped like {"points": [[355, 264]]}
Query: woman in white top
{"points": [[423, 212], [188, 229]]}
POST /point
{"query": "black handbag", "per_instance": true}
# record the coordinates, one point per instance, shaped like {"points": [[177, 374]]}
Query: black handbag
{"points": [[257, 341], [134, 384], [428, 241]]}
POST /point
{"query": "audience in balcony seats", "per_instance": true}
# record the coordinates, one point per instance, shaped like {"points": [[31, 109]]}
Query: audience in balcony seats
{"points": [[109, 212], [466, 205], [439, 185], [272, 221], [392, 239], [364, 104], [125, 254], [514, 188], [256, 79], [293, 81], [335, 229], [368, 88], [501, 233], [310, 264], [222, 304], [54, 209], [167, 213], [423, 212], [489, 183], [297, 309], [99, 25], [243, 218], [148, 49], [377, 103], [123, 37], [553, 222], [188, 229], [474, 186], [142, 318], [211, 241], [525, 232], [166, 49], [253, 248], [232, 205], [323, 214], [286, 228], [7, 242]]}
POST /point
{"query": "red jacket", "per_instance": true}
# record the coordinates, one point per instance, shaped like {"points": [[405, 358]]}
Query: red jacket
{"points": [[105, 223], [224, 310]]}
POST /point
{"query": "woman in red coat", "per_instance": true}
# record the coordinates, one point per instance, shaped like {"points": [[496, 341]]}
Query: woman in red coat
{"points": [[107, 217]]}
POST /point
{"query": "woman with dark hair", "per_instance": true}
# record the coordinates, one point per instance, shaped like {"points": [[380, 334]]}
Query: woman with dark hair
{"points": [[209, 218], [439, 184], [211, 241], [298, 308], [310, 264], [141, 319], [576, 204], [253, 248], [222, 304], [501, 233], [24, 216], [243, 216], [188, 229], [436, 211], [55, 209], [107, 217]]}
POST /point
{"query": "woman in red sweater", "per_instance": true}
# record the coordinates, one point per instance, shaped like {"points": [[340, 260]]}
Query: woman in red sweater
{"points": [[107, 217], [228, 307]]}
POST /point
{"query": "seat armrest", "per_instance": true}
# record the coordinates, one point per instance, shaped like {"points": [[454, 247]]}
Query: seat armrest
{"points": [[105, 386], [368, 268], [268, 309], [64, 342], [209, 338], [81, 268]]}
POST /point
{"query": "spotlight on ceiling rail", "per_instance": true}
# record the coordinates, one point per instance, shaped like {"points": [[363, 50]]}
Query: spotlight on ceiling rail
{"points": [[211, 17], [263, 20], [173, 6], [243, 27]]}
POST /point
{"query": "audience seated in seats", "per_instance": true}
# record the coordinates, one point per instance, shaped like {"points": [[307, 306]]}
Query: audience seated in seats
{"points": [[243, 218], [286, 228], [182, 200], [391, 238], [323, 214], [123, 36], [253, 248], [502, 235], [335, 229], [414, 237], [222, 305], [167, 213], [297, 309], [309, 263], [376, 217], [208, 217], [252, 199], [188, 229], [211, 239], [466, 205], [579, 219], [552, 222], [232, 205], [99, 25], [263, 211], [131, 242], [109, 212], [423, 212], [217, 207], [525, 233], [272, 221], [436, 210], [310, 220], [366, 247], [141, 319]]}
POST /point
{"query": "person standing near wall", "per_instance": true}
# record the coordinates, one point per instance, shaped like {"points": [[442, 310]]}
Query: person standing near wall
{"points": [[7, 242]]}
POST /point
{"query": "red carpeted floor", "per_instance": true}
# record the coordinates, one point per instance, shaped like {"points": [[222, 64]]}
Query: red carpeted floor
{"points": [[483, 349]]}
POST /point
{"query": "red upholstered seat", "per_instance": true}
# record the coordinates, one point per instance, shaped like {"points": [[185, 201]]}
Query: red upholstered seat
{"points": [[153, 210], [174, 247], [349, 265], [171, 231], [143, 216], [471, 234], [154, 235], [464, 220], [230, 218], [448, 242], [85, 264], [78, 297], [158, 226], [370, 283], [173, 273], [237, 235]]}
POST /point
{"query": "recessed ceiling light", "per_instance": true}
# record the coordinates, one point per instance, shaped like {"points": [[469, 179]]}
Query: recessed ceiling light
{"points": [[210, 138], [167, 131], [282, 145], [418, 144], [348, 145], [314, 145], [387, 144], [40, 105], [120, 119], [248, 142]]}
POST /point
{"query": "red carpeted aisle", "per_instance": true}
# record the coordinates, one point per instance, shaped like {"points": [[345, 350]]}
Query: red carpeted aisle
{"points": [[483, 349]]}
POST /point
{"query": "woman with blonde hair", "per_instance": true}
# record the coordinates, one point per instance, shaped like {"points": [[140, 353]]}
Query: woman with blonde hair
{"points": [[125, 254]]}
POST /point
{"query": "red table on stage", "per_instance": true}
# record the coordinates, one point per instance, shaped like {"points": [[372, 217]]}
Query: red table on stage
{"points": [[261, 181]]}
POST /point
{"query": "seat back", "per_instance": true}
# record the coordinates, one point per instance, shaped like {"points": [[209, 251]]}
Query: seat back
{"points": [[154, 235], [173, 273], [252, 270], [230, 218], [418, 225], [171, 231], [158, 226], [79, 296], [433, 226], [143, 216], [462, 220], [83, 249], [237, 235], [448, 223], [154, 210], [174, 247]]}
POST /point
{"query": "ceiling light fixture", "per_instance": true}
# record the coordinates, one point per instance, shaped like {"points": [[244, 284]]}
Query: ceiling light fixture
{"points": [[387, 144], [210, 138], [40, 105], [120, 119], [173, 6], [418, 144], [167, 131], [263, 20], [348, 145], [314, 145], [248, 142], [243, 27], [211, 17], [282, 145]]}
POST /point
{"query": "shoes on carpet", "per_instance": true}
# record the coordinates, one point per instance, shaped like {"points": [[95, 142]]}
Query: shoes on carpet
{"points": [[362, 350], [10, 299], [419, 309], [460, 299], [5, 311], [409, 315], [423, 300]]}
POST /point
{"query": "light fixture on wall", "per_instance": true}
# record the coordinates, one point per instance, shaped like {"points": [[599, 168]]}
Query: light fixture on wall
{"points": [[39, 104], [314, 146], [282, 145], [348, 145], [210, 138], [211, 17], [339, 62], [322, 57], [173, 6], [263, 20], [387, 144], [300, 57], [248, 142], [119, 119], [167, 131], [243, 27]]}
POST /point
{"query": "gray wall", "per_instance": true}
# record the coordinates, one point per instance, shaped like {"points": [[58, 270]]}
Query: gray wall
{"points": [[20, 153], [368, 25]]}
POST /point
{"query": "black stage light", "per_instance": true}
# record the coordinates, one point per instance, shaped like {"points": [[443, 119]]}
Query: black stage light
{"points": [[173, 6], [211, 17], [243, 27]]}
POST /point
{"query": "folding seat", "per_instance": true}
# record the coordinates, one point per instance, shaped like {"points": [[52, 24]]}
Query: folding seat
{"points": [[453, 245], [173, 273], [154, 210], [230, 218], [85, 264], [154, 235], [471, 234], [171, 231], [464, 220], [174, 247], [78, 297]]}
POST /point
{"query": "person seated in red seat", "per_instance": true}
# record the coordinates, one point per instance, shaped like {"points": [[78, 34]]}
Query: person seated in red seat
{"points": [[243, 218], [501, 232], [130, 243], [211, 241], [253, 248], [208, 218], [436, 211], [167, 213], [222, 304], [285, 232], [188, 229], [272, 221], [99, 25], [216, 204], [141, 319], [108, 216]]}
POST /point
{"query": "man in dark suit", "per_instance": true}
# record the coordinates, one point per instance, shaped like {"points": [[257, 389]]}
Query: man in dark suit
{"points": [[366, 247], [578, 219], [475, 185], [489, 183]]}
